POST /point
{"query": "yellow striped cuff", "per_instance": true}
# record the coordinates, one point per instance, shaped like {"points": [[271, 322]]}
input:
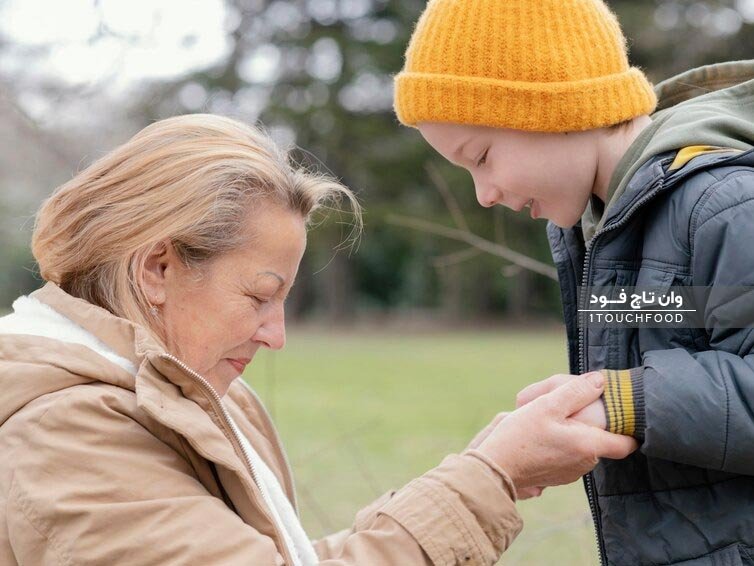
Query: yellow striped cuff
{"points": [[624, 401]]}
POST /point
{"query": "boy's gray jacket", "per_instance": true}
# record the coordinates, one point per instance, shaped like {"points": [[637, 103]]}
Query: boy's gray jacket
{"points": [[687, 496]]}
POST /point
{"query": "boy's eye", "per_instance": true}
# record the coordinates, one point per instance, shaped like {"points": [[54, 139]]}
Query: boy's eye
{"points": [[483, 159]]}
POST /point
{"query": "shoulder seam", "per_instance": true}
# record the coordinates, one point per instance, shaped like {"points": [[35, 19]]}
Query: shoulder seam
{"points": [[734, 205], [702, 202]]}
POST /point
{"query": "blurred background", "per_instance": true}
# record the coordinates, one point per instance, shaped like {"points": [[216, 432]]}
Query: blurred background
{"points": [[400, 349]]}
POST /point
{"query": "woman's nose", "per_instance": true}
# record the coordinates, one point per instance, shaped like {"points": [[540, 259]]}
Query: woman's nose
{"points": [[272, 332]]}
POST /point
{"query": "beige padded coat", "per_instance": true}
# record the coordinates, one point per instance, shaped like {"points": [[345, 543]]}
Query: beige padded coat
{"points": [[114, 452]]}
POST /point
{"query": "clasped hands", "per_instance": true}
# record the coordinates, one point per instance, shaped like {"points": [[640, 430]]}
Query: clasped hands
{"points": [[556, 434]]}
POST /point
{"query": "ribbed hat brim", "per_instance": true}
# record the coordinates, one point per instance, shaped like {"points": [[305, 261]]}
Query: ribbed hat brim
{"points": [[546, 107]]}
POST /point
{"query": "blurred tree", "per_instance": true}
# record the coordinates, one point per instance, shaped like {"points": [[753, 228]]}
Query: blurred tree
{"points": [[318, 74]]}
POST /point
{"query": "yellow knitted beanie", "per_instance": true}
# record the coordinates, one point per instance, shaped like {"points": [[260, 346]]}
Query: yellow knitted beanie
{"points": [[538, 65]]}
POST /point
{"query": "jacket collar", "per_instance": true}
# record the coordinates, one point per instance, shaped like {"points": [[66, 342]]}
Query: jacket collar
{"points": [[656, 176], [75, 343], [651, 179], [124, 340], [92, 344], [31, 317], [83, 343]]}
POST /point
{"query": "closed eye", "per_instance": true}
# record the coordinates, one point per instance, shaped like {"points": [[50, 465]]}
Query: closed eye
{"points": [[483, 159]]}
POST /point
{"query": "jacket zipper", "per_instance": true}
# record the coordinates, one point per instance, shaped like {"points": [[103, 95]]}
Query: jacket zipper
{"points": [[589, 478], [226, 417]]}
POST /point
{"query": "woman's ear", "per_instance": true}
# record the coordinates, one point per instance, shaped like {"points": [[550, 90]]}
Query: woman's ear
{"points": [[153, 271]]}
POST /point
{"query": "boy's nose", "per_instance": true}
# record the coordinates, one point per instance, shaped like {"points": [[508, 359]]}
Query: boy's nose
{"points": [[486, 195]]}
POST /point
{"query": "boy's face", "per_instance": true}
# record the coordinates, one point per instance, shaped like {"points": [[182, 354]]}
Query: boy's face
{"points": [[553, 174]]}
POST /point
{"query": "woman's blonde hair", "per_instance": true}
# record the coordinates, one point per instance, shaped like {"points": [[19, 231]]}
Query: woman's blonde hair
{"points": [[188, 179]]}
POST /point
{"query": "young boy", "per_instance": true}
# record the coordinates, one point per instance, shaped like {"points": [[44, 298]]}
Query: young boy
{"points": [[537, 100]]}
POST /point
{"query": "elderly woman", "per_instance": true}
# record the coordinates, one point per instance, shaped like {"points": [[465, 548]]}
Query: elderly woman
{"points": [[126, 434]]}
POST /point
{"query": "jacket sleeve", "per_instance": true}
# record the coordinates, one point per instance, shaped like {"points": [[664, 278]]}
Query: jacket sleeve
{"points": [[96, 487], [698, 408], [461, 512]]}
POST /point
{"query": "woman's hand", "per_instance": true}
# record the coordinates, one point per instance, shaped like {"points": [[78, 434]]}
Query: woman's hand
{"points": [[486, 431], [523, 493], [540, 444]]}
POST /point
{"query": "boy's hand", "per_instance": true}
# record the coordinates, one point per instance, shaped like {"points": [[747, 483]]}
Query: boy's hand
{"points": [[593, 414], [531, 392]]}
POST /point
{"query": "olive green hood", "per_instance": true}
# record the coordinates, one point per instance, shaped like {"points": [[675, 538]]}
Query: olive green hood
{"points": [[708, 106]]}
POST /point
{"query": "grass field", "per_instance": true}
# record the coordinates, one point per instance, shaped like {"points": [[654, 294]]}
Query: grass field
{"points": [[363, 412]]}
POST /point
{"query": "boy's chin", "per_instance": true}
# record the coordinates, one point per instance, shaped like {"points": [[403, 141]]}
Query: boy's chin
{"points": [[564, 223]]}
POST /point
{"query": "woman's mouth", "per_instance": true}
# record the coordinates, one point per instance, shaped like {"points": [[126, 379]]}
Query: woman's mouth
{"points": [[239, 364]]}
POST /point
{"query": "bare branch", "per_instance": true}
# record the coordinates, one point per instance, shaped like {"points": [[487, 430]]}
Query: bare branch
{"points": [[511, 270], [456, 257], [334, 443], [352, 447], [450, 201], [25, 120], [325, 522], [476, 241], [271, 381]]}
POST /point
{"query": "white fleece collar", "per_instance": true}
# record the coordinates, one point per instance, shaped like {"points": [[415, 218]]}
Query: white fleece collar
{"points": [[34, 318], [31, 317]]}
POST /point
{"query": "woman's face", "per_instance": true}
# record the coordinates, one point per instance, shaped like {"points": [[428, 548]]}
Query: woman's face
{"points": [[551, 174], [216, 318]]}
